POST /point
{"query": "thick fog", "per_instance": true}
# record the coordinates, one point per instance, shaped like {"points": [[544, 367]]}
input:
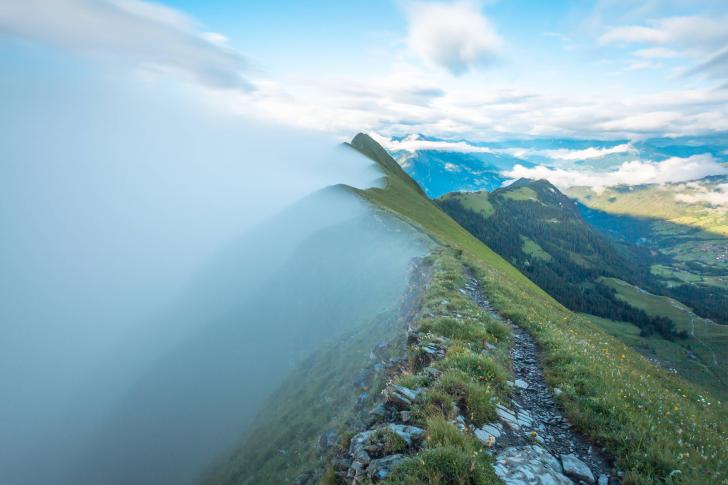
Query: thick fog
{"points": [[162, 268]]}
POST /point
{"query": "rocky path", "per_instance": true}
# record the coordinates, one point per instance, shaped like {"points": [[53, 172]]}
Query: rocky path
{"points": [[533, 442]]}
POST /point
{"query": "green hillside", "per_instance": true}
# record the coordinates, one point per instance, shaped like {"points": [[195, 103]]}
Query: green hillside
{"points": [[657, 427], [688, 236], [668, 202], [703, 356], [540, 231]]}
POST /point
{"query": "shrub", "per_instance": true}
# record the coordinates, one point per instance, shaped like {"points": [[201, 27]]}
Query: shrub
{"points": [[479, 367], [393, 443], [441, 432], [444, 465], [412, 381], [434, 402], [475, 397], [456, 329]]}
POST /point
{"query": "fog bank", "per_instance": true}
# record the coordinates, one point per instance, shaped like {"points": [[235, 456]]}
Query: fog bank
{"points": [[150, 297]]}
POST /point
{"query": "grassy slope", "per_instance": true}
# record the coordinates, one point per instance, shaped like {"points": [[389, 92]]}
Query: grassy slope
{"points": [[708, 341], [687, 232], [318, 396], [474, 201], [654, 201], [657, 426]]}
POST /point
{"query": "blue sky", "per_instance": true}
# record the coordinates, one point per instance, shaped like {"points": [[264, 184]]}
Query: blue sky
{"points": [[474, 69]]}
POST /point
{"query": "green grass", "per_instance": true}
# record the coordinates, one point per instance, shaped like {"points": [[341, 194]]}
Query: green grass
{"points": [[474, 201], [468, 378], [686, 233], [318, 396], [657, 426], [521, 193], [658, 202], [532, 248], [703, 356], [682, 356], [445, 465]]}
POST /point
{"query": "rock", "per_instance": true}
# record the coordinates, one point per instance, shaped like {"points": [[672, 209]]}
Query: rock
{"points": [[576, 469], [487, 432], [379, 352], [399, 396], [328, 439], [459, 423], [507, 416], [378, 410], [304, 478], [341, 463], [603, 480], [410, 434], [521, 465], [521, 384], [432, 373], [434, 351], [357, 445], [356, 469], [557, 392], [380, 469], [413, 338]]}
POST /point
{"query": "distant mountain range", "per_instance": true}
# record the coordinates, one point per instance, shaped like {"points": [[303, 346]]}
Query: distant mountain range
{"points": [[443, 166]]}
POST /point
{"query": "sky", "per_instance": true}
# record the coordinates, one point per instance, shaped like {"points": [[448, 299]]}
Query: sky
{"points": [[480, 70]]}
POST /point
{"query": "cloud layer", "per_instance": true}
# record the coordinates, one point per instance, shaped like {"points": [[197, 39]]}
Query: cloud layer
{"points": [[407, 95], [674, 169], [455, 36], [716, 198], [413, 143], [139, 33], [571, 155]]}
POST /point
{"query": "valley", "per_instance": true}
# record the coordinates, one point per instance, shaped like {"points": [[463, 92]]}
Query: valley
{"points": [[541, 232], [688, 243], [702, 356]]}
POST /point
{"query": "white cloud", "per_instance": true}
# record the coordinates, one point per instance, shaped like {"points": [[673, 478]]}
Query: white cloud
{"points": [[675, 169], [718, 197], [565, 154], [409, 98], [587, 153], [139, 33], [634, 34], [656, 53], [715, 66], [456, 36], [418, 102], [642, 65], [413, 143], [698, 32]]}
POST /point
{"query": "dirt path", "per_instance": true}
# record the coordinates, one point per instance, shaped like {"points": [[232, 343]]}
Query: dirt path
{"points": [[534, 442]]}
